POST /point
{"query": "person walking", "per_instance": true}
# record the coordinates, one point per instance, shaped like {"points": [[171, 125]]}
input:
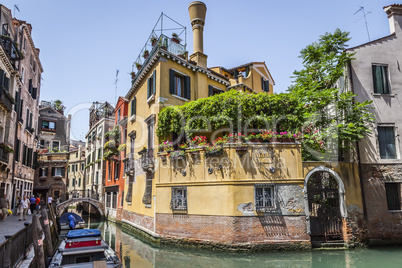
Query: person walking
{"points": [[18, 205], [4, 206], [32, 205], [24, 207], [50, 200], [37, 202]]}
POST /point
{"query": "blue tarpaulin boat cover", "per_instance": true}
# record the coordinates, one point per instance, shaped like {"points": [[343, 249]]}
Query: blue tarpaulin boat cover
{"points": [[83, 233]]}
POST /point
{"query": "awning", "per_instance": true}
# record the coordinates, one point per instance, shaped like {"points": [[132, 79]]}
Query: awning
{"points": [[113, 188]]}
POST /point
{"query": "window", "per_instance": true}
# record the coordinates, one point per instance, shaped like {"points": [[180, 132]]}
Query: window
{"points": [[114, 200], [147, 198], [264, 85], [151, 85], [76, 167], [55, 146], [79, 182], [117, 171], [214, 90], [386, 140], [58, 171], [264, 197], [72, 168], [133, 106], [179, 198], [82, 166], [393, 192], [48, 125], [22, 74], [380, 79], [118, 116], [42, 172], [179, 84]]}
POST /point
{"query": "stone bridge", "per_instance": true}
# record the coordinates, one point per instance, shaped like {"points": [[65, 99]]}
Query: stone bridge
{"points": [[96, 203]]}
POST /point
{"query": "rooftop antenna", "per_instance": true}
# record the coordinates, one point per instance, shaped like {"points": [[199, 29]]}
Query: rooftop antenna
{"points": [[115, 84], [16, 8], [364, 15]]}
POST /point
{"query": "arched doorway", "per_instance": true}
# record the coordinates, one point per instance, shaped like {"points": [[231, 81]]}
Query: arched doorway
{"points": [[325, 204]]}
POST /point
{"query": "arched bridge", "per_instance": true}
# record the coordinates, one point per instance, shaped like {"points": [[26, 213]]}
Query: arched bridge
{"points": [[96, 203]]}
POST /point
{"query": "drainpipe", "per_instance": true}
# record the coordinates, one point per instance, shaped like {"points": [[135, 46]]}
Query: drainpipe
{"points": [[358, 152], [15, 146]]}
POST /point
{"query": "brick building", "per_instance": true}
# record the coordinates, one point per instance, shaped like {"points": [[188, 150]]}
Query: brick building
{"points": [[375, 74]]}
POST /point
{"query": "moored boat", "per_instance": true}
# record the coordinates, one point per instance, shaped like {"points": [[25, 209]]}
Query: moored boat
{"points": [[84, 248], [64, 221]]}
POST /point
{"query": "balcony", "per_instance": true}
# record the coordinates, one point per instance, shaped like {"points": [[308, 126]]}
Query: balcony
{"points": [[6, 99], [3, 155], [147, 159], [129, 166], [10, 48], [30, 129]]}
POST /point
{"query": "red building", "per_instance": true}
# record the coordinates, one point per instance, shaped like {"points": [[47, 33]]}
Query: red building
{"points": [[114, 154]]}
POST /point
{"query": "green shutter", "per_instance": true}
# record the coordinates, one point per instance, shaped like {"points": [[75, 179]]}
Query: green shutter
{"points": [[154, 83], [187, 87], [171, 81], [210, 91], [266, 86], [149, 88], [53, 171], [17, 101], [63, 171], [7, 83]]}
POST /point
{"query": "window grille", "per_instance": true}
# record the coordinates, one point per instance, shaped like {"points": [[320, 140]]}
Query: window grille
{"points": [[179, 198], [264, 197]]}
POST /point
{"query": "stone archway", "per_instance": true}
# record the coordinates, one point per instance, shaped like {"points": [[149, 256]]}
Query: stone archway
{"points": [[97, 204], [324, 195]]}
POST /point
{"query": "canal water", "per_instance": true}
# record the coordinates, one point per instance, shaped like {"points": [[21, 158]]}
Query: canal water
{"points": [[135, 252]]}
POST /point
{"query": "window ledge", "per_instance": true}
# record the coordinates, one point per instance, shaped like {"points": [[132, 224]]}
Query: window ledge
{"points": [[151, 98], [383, 95], [395, 211], [179, 97], [148, 205], [132, 118]]}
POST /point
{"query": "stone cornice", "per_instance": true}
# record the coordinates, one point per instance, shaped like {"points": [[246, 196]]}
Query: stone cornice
{"points": [[33, 47], [160, 54]]}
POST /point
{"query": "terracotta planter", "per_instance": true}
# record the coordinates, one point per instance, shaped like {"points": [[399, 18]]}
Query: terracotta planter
{"points": [[177, 41], [288, 140], [146, 55], [256, 140], [153, 43], [139, 67]]}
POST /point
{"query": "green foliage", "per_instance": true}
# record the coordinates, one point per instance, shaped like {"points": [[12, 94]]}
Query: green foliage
{"points": [[314, 102], [112, 145]]}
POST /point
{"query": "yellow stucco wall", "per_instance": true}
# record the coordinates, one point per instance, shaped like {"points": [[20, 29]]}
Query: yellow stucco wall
{"points": [[222, 191], [349, 173]]}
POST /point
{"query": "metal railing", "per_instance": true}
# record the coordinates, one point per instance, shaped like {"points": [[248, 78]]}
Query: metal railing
{"points": [[147, 159], [84, 194], [16, 247]]}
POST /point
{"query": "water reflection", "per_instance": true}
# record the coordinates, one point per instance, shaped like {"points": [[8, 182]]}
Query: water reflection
{"points": [[137, 253]]}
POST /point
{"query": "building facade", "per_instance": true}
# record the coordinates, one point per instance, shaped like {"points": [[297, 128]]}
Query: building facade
{"points": [[22, 73], [115, 153], [257, 197], [53, 145], [375, 75], [76, 172], [100, 120]]}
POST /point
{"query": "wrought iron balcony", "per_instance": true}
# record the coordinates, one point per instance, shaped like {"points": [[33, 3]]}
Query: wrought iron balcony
{"points": [[6, 99], [129, 165], [11, 48], [147, 159]]}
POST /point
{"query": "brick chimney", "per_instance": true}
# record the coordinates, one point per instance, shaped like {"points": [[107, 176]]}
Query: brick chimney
{"points": [[197, 12], [394, 13]]}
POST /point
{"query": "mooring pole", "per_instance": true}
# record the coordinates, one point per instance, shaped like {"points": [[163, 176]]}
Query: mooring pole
{"points": [[44, 221], [38, 241]]}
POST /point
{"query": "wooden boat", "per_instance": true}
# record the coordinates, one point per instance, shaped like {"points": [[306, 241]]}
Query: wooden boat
{"points": [[84, 248], [64, 223]]}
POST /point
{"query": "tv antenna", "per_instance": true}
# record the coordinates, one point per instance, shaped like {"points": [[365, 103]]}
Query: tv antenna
{"points": [[115, 84], [16, 8], [365, 20]]}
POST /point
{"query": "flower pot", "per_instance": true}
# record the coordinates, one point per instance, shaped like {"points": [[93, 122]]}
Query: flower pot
{"points": [[146, 55], [256, 140], [288, 140], [153, 42], [177, 41], [139, 67]]}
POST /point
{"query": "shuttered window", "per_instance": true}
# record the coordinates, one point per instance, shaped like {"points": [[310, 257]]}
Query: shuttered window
{"points": [[151, 85], [386, 141], [264, 85], [380, 79], [393, 192], [133, 106], [179, 84]]}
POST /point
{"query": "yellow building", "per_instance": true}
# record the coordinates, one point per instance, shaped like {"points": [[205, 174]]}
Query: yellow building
{"points": [[76, 173], [250, 199]]}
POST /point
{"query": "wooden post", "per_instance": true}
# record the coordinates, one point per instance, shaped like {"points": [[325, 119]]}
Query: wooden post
{"points": [[44, 221], [38, 241]]}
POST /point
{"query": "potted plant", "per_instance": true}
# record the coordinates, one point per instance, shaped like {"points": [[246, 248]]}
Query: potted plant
{"points": [[175, 38], [138, 65], [287, 136], [132, 75], [253, 137], [198, 141], [145, 54], [213, 150], [177, 154], [153, 40], [183, 146], [166, 146]]}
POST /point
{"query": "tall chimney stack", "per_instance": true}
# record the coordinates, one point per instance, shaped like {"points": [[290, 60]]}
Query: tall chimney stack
{"points": [[197, 12], [394, 13]]}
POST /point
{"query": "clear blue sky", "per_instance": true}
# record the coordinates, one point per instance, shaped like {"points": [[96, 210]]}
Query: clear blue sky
{"points": [[83, 43]]}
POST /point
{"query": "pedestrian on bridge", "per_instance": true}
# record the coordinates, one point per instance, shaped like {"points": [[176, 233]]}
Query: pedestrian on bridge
{"points": [[32, 205]]}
